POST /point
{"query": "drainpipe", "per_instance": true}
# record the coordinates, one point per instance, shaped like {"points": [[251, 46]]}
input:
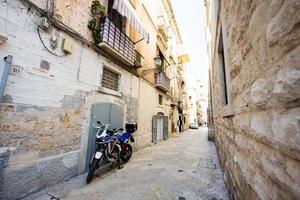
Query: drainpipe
{"points": [[4, 75]]}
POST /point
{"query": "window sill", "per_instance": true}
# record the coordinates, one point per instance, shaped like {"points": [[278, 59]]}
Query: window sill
{"points": [[109, 91], [227, 111], [160, 106]]}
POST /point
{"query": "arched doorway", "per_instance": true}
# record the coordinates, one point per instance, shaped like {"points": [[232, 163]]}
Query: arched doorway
{"points": [[159, 127], [106, 113]]}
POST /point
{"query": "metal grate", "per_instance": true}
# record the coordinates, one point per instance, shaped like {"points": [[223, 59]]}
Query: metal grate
{"points": [[110, 79], [162, 81]]}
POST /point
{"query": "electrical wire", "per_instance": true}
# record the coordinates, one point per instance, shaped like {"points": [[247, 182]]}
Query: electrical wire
{"points": [[65, 28], [38, 30]]}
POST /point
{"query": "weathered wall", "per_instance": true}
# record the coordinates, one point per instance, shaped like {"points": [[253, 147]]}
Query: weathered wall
{"points": [[148, 107], [257, 133], [44, 119], [45, 116]]}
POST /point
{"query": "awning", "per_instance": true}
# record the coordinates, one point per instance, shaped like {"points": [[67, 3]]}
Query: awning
{"points": [[123, 7]]}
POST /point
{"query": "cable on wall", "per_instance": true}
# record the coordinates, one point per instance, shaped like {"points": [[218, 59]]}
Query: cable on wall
{"points": [[38, 30], [73, 33]]}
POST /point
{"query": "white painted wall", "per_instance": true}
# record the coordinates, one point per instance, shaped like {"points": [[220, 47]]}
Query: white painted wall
{"points": [[148, 107], [80, 70]]}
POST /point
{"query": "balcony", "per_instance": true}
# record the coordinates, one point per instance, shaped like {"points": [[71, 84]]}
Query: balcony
{"points": [[173, 101], [163, 28], [115, 42], [162, 82]]}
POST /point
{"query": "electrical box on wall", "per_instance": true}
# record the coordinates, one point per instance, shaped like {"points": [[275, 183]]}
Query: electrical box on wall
{"points": [[67, 45], [44, 23]]}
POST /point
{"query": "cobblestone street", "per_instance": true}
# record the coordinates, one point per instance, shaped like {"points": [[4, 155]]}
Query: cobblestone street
{"points": [[185, 167]]}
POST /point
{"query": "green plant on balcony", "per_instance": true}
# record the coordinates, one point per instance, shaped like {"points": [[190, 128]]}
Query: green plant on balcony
{"points": [[97, 11]]}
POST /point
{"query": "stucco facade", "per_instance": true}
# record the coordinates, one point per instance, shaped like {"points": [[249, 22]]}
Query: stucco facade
{"points": [[45, 117], [254, 112]]}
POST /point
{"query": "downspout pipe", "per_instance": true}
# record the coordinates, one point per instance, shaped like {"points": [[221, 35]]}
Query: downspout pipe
{"points": [[4, 75]]}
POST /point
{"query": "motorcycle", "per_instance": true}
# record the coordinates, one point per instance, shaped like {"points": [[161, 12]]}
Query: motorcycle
{"points": [[107, 148], [124, 139]]}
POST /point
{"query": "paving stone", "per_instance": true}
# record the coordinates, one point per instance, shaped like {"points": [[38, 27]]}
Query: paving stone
{"points": [[18, 183], [167, 170]]}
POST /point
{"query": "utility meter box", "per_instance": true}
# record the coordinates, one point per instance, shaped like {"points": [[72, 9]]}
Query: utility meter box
{"points": [[44, 23], [67, 45]]}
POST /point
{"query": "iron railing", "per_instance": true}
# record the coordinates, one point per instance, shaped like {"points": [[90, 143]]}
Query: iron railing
{"points": [[162, 81], [116, 39]]}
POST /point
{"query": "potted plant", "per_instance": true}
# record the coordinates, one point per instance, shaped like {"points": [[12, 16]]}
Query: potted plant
{"points": [[97, 11]]}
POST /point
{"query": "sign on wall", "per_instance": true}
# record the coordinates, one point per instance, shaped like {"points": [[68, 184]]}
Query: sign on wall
{"points": [[43, 70], [15, 69]]}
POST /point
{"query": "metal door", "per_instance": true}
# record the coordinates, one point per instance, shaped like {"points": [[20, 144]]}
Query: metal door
{"points": [[106, 113], [160, 128], [154, 129]]}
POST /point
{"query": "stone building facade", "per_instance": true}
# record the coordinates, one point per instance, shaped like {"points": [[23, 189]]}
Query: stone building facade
{"points": [[254, 110], [59, 82]]}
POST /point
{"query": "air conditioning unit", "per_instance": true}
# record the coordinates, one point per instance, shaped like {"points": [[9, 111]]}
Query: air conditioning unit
{"points": [[138, 62], [44, 23]]}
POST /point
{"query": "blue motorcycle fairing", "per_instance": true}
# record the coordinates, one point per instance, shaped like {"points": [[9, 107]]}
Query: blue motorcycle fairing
{"points": [[124, 137], [107, 138]]}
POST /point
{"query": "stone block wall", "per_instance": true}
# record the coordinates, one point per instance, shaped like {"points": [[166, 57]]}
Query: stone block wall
{"points": [[258, 133]]}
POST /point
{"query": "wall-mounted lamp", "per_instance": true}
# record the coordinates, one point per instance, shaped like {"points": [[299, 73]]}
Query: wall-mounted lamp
{"points": [[157, 61]]}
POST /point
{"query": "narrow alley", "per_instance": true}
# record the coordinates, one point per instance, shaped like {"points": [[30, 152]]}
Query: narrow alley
{"points": [[199, 98], [184, 167]]}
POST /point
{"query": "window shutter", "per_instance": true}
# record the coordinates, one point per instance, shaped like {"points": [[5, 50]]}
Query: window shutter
{"points": [[154, 129], [165, 136]]}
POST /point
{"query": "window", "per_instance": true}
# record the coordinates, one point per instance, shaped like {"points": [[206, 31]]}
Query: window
{"points": [[222, 70], [164, 63], [172, 91], [160, 99], [110, 79], [115, 16]]}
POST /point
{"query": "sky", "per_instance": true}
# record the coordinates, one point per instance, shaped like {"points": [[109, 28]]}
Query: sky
{"points": [[190, 17]]}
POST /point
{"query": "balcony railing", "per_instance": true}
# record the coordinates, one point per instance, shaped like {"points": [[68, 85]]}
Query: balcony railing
{"points": [[163, 82], [115, 42], [162, 28]]}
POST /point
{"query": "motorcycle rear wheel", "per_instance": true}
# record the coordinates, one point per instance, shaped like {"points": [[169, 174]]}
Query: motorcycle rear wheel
{"points": [[126, 153], [92, 169]]}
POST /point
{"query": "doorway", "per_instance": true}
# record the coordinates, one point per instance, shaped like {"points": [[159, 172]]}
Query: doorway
{"points": [[106, 113], [159, 127]]}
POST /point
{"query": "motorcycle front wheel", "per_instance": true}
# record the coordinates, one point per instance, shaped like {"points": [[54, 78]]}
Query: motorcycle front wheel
{"points": [[126, 153], [92, 169]]}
